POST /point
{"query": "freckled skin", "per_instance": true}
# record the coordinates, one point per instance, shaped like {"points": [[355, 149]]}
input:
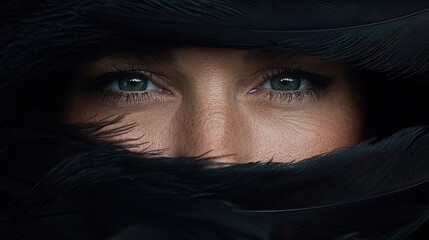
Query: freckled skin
{"points": [[210, 111]]}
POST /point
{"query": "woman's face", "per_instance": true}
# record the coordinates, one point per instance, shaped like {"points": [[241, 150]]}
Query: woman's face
{"points": [[250, 105]]}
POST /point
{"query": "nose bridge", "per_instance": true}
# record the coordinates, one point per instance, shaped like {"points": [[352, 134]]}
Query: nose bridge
{"points": [[207, 124]]}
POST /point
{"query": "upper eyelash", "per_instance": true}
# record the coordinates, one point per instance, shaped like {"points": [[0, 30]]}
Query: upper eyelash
{"points": [[104, 79], [98, 84], [319, 83], [316, 78]]}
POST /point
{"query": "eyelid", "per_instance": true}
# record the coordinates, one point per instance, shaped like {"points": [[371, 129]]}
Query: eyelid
{"points": [[100, 86], [150, 85], [318, 82], [322, 76], [267, 85], [106, 79], [317, 78]]}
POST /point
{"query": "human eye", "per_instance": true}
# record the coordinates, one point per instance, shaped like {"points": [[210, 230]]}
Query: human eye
{"points": [[293, 84], [287, 83], [130, 81], [127, 86]]}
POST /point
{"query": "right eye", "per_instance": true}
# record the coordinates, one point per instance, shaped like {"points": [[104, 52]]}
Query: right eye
{"points": [[287, 83], [133, 84]]}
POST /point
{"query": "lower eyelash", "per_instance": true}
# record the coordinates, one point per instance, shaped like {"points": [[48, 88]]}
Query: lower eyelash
{"points": [[294, 96], [127, 97], [148, 96]]}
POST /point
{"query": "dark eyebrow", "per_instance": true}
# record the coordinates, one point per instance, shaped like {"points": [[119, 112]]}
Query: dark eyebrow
{"points": [[148, 56], [262, 55]]}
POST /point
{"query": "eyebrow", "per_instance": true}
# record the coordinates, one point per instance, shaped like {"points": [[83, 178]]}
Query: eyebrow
{"points": [[262, 55], [149, 56]]}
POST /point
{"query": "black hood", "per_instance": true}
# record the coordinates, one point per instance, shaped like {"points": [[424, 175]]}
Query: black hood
{"points": [[60, 181]]}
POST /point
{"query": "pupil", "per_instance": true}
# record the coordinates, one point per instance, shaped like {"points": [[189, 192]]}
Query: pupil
{"points": [[134, 84], [286, 84], [285, 81]]}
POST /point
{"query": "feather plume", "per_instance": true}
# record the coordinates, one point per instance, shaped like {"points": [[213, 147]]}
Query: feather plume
{"points": [[66, 182], [375, 190]]}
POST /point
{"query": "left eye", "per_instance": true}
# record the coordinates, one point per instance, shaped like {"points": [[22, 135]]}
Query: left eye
{"points": [[287, 83], [133, 84]]}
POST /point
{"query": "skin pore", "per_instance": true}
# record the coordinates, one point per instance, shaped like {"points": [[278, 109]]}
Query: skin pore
{"points": [[250, 105]]}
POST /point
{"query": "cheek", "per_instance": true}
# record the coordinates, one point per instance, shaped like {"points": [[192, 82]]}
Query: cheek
{"points": [[294, 135], [296, 139], [151, 131], [278, 135]]}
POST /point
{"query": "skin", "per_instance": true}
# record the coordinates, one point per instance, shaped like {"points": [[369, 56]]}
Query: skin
{"points": [[213, 105]]}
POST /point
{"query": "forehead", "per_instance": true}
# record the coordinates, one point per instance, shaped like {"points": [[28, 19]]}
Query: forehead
{"points": [[173, 56]]}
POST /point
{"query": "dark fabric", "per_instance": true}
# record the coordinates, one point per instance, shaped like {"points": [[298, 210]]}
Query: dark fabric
{"points": [[59, 181]]}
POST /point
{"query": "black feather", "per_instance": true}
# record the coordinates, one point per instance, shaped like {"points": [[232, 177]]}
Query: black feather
{"points": [[376, 190], [67, 182]]}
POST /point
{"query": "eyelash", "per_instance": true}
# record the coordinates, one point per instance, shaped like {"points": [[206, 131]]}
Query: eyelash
{"points": [[129, 98], [319, 83], [100, 83]]}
